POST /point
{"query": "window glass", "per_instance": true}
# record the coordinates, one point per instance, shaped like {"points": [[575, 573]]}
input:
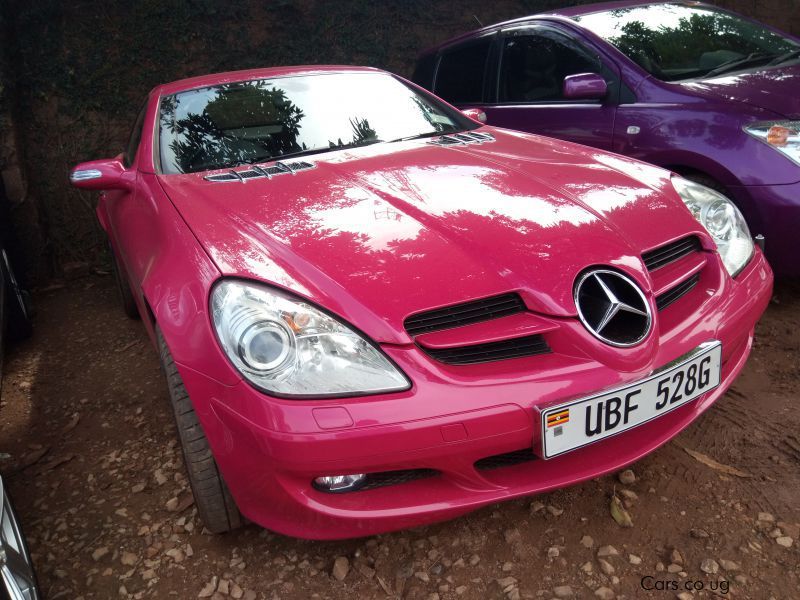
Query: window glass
{"points": [[461, 73], [424, 71], [676, 41], [256, 121], [135, 138], [534, 66]]}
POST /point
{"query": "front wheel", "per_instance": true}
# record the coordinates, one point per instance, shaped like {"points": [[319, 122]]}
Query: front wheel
{"points": [[709, 182], [214, 502], [126, 299]]}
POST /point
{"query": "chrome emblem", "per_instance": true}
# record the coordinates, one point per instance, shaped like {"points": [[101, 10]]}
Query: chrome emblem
{"points": [[612, 307]]}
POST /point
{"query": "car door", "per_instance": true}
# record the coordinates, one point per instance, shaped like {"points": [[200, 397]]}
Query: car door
{"points": [[130, 215], [465, 72], [533, 62]]}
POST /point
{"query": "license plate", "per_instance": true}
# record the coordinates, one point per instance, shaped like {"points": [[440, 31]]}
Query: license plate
{"points": [[581, 422]]}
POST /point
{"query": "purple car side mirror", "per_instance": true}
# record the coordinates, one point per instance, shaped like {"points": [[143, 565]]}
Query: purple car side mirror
{"points": [[584, 86]]}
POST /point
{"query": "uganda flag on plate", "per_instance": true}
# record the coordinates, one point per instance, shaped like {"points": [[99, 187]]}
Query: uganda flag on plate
{"points": [[558, 418]]}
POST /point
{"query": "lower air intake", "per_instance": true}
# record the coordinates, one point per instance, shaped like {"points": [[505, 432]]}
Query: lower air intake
{"points": [[509, 459], [387, 478]]}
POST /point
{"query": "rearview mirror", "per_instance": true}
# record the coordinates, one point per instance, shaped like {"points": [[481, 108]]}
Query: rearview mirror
{"points": [[476, 114], [584, 86], [106, 174]]}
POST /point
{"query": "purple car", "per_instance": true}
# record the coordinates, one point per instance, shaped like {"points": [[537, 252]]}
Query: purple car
{"points": [[696, 89]]}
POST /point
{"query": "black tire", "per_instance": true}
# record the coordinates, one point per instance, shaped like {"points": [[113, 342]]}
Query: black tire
{"points": [[709, 182], [18, 306], [214, 502], [715, 185], [126, 299]]}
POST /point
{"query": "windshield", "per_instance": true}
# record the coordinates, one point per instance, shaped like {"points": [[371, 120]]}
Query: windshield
{"points": [[257, 121], [675, 41]]}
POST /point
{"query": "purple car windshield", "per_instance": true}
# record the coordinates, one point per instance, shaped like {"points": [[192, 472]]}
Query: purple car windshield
{"points": [[674, 42]]}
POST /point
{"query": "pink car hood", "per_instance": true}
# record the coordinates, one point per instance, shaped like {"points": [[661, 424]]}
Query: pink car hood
{"points": [[377, 233]]}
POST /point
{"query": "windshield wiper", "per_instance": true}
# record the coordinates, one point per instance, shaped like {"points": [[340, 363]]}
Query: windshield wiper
{"points": [[280, 157], [419, 136], [786, 56], [751, 59]]}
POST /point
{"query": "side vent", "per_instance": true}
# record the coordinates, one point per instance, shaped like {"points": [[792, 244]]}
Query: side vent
{"points": [[255, 172], [465, 137]]}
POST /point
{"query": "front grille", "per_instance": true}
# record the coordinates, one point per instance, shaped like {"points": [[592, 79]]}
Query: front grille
{"points": [[660, 257], [464, 314], [253, 172], [683, 288], [492, 351], [508, 459]]}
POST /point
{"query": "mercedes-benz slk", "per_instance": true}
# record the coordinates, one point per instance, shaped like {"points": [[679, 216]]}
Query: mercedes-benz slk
{"points": [[375, 312]]}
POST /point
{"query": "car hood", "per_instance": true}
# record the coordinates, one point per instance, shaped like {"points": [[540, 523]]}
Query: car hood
{"points": [[377, 233], [772, 89]]}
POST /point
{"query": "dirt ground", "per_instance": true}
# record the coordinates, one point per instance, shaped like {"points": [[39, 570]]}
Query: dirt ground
{"points": [[91, 459]]}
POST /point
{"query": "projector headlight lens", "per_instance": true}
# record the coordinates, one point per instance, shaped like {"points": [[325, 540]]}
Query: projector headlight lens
{"points": [[288, 347]]}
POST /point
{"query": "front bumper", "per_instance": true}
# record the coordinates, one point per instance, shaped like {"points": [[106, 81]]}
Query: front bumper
{"points": [[774, 211], [269, 449]]}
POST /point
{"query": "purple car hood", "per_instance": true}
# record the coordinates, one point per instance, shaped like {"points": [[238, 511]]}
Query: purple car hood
{"points": [[776, 90]]}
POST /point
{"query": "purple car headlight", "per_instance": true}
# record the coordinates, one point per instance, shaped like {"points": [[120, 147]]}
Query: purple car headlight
{"points": [[783, 136], [721, 219], [287, 347]]}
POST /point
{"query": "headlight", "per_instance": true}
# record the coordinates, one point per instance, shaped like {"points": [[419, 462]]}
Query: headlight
{"points": [[287, 347], [784, 136], [721, 219]]}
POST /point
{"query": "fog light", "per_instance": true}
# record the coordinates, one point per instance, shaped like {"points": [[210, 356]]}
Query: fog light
{"points": [[339, 483]]}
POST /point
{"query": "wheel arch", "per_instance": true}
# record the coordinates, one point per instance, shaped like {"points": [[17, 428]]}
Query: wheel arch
{"points": [[688, 163], [725, 183]]}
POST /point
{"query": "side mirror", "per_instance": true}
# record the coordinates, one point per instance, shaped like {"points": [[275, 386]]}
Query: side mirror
{"points": [[584, 86], [107, 174], [476, 114]]}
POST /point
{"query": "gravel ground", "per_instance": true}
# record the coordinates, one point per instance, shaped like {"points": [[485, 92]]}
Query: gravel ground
{"points": [[91, 459]]}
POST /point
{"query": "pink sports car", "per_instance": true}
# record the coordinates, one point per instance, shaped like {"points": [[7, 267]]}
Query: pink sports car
{"points": [[375, 312]]}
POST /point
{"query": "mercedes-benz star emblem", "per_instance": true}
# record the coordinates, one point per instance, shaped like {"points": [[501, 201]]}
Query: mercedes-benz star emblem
{"points": [[612, 307]]}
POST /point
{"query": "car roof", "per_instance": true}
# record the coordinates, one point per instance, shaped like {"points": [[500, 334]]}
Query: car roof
{"points": [[202, 81], [562, 13]]}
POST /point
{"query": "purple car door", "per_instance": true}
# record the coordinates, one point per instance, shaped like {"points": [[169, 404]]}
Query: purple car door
{"points": [[530, 92], [465, 73]]}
